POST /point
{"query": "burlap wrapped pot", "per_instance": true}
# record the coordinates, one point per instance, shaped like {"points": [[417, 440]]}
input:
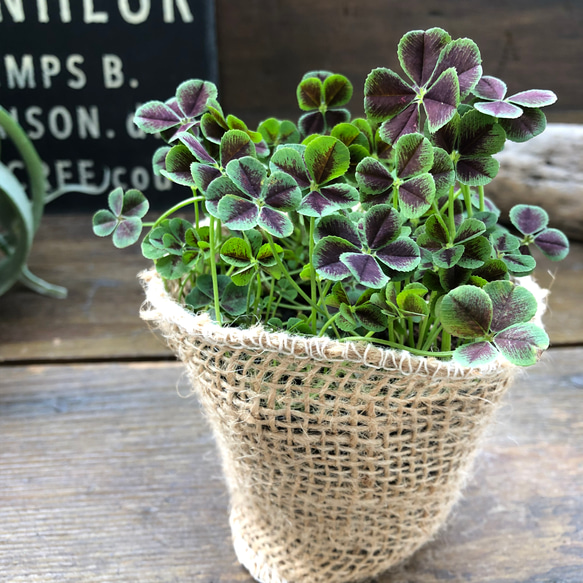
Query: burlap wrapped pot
{"points": [[341, 459]]}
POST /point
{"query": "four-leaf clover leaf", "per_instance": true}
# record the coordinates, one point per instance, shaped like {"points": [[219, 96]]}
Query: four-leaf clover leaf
{"points": [[363, 250], [179, 113], [497, 320], [258, 199], [123, 220]]}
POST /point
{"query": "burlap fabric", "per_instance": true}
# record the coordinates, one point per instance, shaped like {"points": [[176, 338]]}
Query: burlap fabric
{"points": [[340, 459]]}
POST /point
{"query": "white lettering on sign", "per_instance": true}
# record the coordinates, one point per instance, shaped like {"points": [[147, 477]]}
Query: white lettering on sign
{"points": [[134, 17], [50, 66], [23, 75], [15, 9], [64, 173], [183, 8], [112, 71], [132, 129], [61, 123], [90, 16], [80, 79], [19, 77]]}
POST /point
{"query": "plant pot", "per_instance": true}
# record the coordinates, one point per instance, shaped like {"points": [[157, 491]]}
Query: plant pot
{"points": [[341, 459]]}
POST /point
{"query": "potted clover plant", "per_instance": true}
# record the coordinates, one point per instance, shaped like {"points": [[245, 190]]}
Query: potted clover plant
{"points": [[348, 302]]}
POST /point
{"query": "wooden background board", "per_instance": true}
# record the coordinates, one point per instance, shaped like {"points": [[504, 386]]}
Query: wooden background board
{"points": [[266, 46], [109, 475], [99, 320]]}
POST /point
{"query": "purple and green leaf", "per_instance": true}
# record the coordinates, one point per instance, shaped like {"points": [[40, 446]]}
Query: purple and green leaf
{"points": [[466, 312], [385, 95], [512, 304], [326, 158], [522, 344], [475, 353], [326, 258]]}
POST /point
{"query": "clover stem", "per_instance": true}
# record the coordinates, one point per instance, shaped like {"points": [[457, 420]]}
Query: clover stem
{"points": [[446, 341], [328, 323], [196, 213], [391, 331], [248, 299], [177, 207], [276, 307], [314, 314], [285, 271], [258, 293], [323, 294], [450, 215], [395, 197], [467, 199], [396, 345], [424, 325], [270, 299], [214, 269], [433, 334], [482, 203], [298, 307], [411, 337]]}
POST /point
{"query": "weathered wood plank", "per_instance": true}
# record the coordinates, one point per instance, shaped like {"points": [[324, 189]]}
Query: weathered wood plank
{"points": [[99, 319], [108, 475], [266, 47]]}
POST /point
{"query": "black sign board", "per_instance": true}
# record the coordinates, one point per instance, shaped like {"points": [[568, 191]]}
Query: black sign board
{"points": [[73, 72]]}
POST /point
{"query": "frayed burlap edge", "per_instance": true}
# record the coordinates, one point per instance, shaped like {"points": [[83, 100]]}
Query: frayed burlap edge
{"points": [[160, 306], [291, 542]]}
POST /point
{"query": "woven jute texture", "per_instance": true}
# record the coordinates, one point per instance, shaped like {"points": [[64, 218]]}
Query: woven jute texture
{"points": [[341, 459]]}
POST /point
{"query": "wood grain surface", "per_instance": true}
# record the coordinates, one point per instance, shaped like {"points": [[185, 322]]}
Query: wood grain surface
{"points": [[266, 47], [109, 474], [99, 320]]}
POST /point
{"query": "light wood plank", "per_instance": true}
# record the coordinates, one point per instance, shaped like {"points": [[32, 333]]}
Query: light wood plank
{"points": [[99, 319], [108, 475]]}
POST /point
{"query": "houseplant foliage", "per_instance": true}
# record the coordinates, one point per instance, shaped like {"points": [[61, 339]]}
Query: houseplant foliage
{"points": [[372, 229], [332, 290], [20, 214]]}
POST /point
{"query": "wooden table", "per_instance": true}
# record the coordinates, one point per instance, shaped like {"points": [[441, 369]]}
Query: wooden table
{"points": [[108, 472]]}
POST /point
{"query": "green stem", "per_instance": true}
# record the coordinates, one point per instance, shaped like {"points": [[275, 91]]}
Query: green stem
{"points": [[329, 323], [286, 273], [467, 199], [445, 341], [322, 302], [177, 207], [450, 215], [391, 331], [411, 337], [422, 332], [299, 307], [482, 203], [270, 299], [397, 346], [32, 163], [196, 211], [433, 334], [213, 252], [258, 293], [314, 315], [276, 306]]}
